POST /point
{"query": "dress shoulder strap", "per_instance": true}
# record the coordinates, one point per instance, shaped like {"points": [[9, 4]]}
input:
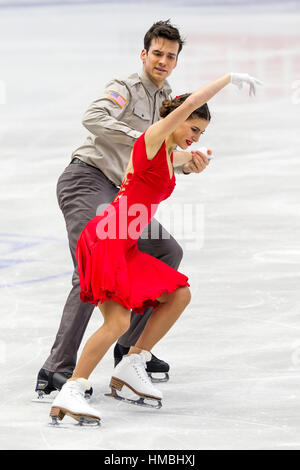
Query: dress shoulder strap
{"points": [[139, 155]]}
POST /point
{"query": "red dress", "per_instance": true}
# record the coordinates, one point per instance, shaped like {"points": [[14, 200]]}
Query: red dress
{"points": [[110, 264]]}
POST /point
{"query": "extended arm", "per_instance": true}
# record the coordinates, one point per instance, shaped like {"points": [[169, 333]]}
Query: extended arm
{"points": [[157, 133]]}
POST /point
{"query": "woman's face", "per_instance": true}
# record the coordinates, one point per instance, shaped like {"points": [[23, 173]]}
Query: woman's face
{"points": [[189, 132]]}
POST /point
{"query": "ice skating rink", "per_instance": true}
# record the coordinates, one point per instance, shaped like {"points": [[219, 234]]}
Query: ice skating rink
{"points": [[235, 353]]}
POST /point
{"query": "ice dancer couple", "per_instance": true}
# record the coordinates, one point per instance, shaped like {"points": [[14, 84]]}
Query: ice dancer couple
{"points": [[116, 275], [92, 180], [116, 120]]}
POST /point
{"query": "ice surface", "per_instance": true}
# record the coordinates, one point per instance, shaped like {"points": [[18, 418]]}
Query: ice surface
{"points": [[235, 353]]}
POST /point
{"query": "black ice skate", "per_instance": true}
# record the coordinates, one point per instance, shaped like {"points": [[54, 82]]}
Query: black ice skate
{"points": [[48, 382], [156, 368]]}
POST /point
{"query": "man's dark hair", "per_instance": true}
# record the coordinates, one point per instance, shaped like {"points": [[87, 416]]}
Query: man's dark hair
{"points": [[163, 29]]}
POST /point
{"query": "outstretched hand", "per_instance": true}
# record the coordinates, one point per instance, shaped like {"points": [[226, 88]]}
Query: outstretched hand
{"points": [[239, 79], [197, 164]]}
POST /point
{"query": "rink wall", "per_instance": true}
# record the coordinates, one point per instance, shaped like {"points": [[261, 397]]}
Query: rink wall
{"points": [[228, 5]]}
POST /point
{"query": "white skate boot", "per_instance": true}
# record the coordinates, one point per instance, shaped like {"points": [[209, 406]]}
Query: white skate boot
{"points": [[70, 401], [131, 372]]}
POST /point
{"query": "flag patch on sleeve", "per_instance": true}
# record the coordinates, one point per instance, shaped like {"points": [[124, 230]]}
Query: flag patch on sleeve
{"points": [[117, 98]]}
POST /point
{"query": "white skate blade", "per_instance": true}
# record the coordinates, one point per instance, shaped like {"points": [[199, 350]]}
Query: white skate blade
{"points": [[128, 396], [57, 414], [82, 423]]}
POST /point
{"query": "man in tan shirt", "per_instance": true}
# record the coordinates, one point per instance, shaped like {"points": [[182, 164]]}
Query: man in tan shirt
{"points": [[92, 179]]}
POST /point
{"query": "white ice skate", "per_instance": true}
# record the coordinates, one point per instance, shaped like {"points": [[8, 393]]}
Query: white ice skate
{"points": [[70, 401], [131, 372]]}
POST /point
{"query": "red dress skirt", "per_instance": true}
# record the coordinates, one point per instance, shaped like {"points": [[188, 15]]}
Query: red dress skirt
{"points": [[110, 265]]}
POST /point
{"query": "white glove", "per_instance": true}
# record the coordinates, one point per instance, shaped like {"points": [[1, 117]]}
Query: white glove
{"points": [[239, 78], [207, 152]]}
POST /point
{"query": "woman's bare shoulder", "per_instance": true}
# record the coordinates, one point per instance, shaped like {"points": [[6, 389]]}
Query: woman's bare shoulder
{"points": [[152, 143]]}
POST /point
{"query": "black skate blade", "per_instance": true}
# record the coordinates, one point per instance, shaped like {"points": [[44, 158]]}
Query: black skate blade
{"points": [[42, 397], [140, 401], [157, 379]]}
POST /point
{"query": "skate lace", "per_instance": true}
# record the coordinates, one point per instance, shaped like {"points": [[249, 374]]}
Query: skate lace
{"points": [[140, 368], [77, 393]]}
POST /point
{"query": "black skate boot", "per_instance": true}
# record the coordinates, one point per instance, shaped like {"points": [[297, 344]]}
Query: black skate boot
{"points": [[155, 366], [48, 382]]}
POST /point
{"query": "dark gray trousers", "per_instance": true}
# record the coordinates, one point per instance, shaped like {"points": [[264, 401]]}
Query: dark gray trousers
{"points": [[81, 192]]}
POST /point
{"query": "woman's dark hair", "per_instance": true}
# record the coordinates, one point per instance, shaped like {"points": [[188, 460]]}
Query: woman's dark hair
{"points": [[163, 29], [169, 105]]}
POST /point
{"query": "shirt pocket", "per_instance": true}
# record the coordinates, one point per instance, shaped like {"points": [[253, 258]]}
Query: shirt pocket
{"points": [[141, 113], [140, 118]]}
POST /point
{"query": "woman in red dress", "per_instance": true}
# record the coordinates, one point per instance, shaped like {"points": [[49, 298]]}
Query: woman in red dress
{"points": [[119, 278]]}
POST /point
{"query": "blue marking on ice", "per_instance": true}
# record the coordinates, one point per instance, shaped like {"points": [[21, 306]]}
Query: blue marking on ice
{"points": [[19, 242], [33, 281]]}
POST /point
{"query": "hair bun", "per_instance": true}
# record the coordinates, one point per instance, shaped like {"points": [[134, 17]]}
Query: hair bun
{"points": [[169, 105], [166, 108]]}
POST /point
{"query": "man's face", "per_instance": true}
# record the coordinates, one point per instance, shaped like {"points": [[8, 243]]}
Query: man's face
{"points": [[160, 60]]}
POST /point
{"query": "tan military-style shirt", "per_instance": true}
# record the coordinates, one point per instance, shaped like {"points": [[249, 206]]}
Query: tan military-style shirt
{"points": [[116, 120]]}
